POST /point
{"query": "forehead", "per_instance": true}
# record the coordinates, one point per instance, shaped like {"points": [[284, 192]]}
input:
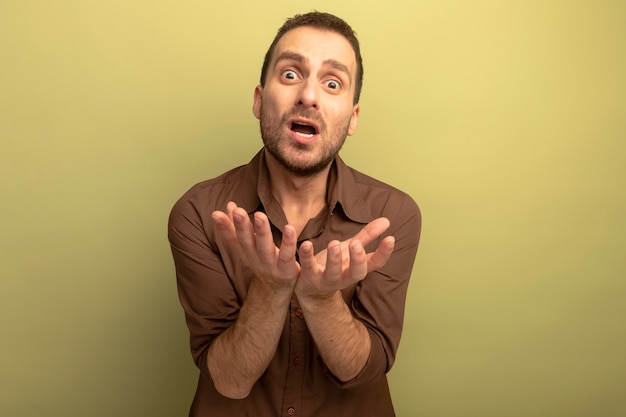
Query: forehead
{"points": [[317, 46]]}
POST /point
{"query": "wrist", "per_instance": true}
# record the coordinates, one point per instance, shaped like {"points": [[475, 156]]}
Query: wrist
{"points": [[268, 292], [272, 284], [319, 300]]}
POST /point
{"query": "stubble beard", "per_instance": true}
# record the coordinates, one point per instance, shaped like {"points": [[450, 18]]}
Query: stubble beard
{"points": [[272, 130]]}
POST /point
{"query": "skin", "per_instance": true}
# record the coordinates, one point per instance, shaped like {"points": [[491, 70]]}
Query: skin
{"points": [[311, 81]]}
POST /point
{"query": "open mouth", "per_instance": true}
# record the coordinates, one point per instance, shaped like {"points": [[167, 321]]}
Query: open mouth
{"points": [[303, 129]]}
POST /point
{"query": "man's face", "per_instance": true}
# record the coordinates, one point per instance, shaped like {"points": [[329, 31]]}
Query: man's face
{"points": [[306, 108]]}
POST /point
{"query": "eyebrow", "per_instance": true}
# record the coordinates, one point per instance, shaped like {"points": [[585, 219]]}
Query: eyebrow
{"points": [[294, 56]]}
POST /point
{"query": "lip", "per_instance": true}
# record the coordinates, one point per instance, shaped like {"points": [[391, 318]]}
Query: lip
{"points": [[305, 140]]}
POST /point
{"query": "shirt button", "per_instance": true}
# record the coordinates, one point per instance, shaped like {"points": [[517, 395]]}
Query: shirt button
{"points": [[298, 312], [296, 360], [291, 411]]}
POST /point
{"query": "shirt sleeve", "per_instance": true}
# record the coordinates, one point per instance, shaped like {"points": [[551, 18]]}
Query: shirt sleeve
{"points": [[379, 300], [207, 295]]}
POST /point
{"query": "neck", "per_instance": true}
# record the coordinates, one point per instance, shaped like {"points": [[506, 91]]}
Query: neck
{"points": [[301, 198]]}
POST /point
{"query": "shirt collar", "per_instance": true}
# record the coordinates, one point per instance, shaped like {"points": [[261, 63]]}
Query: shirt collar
{"points": [[344, 192]]}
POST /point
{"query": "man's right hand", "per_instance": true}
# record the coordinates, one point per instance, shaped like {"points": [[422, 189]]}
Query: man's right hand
{"points": [[275, 267]]}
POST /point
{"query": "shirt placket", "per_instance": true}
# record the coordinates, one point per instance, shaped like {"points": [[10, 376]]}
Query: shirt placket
{"points": [[292, 403]]}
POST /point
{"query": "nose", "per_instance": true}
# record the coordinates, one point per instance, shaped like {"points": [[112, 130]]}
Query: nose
{"points": [[309, 94]]}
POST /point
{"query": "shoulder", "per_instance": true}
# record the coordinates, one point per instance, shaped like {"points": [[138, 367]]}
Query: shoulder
{"points": [[197, 204], [238, 184], [380, 198], [214, 193]]}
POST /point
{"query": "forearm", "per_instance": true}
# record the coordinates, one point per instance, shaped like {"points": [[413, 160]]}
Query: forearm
{"points": [[343, 341], [239, 356]]}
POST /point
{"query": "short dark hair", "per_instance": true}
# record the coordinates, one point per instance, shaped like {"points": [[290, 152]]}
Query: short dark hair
{"points": [[321, 21]]}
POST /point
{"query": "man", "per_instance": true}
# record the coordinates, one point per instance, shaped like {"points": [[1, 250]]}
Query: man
{"points": [[293, 269]]}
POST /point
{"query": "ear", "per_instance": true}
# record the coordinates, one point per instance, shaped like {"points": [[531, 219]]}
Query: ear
{"points": [[258, 98], [354, 120]]}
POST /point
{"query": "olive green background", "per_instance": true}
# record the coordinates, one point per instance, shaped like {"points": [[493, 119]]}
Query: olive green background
{"points": [[506, 121]]}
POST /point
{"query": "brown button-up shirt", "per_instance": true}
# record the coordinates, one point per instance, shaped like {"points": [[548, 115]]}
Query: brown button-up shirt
{"points": [[212, 286]]}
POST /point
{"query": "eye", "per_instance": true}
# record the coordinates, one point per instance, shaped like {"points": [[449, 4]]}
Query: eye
{"points": [[289, 75], [333, 84]]}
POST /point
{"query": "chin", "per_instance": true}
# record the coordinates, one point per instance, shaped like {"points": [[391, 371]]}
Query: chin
{"points": [[302, 168]]}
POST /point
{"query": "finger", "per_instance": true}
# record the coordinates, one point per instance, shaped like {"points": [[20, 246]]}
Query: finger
{"points": [[333, 261], [372, 230], [225, 227], [288, 246], [243, 227], [307, 257], [227, 218], [264, 239], [358, 261], [381, 255], [230, 207]]}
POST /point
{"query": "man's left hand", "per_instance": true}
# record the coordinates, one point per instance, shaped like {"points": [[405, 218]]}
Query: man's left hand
{"points": [[342, 264]]}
